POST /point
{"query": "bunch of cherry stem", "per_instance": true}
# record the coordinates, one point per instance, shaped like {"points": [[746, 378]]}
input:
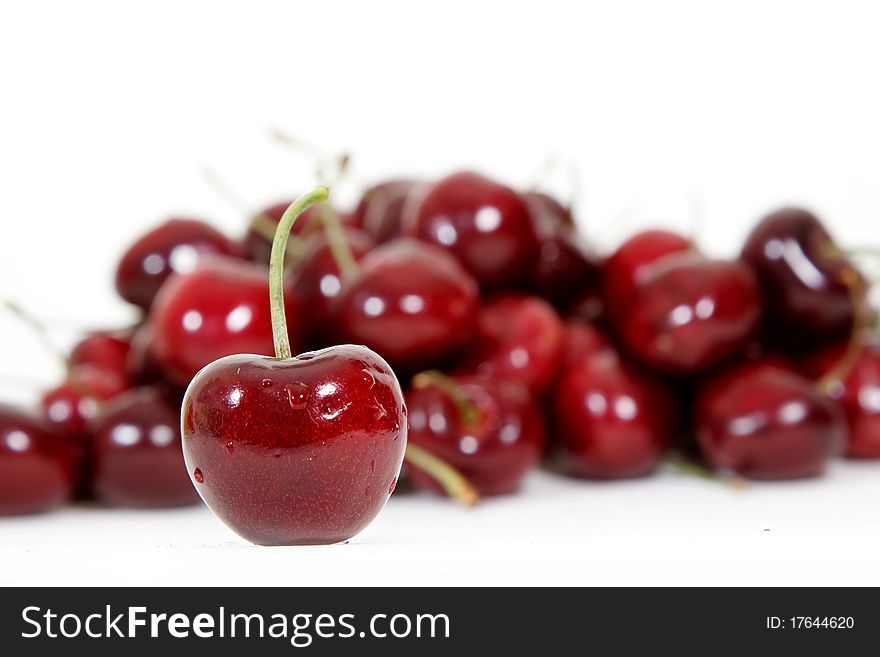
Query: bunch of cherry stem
{"points": [[453, 482]]}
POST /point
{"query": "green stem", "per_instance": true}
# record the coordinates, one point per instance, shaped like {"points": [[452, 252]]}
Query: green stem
{"points": [[468, 412], [276, 266], [452, 481], [688, 467], [861, 320], [339, 246]]}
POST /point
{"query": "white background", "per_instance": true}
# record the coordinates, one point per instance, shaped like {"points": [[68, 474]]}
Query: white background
{"points": [[698, 115]]}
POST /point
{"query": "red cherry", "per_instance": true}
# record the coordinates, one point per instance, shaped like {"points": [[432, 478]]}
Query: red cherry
{"points": [[858, 393], [581, 340], [519, 337], [491, 431], [174, 246], [218, 309], [71, 406], [380, 210], [293, 451], [565, 268], [628, 267], [106, 350], [486, 226], [803, 277], [257, 242], [411, 302], [136, 454], [611, 421], [318, 281], [691, 313], [35, 468], [766, 422]]}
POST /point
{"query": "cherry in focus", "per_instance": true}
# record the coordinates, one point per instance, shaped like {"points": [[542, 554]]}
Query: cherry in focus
{"points": [[485, 225], [490, 431], [174, 246], [763, 421]]}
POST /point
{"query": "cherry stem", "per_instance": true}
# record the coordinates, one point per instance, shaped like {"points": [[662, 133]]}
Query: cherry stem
{"points": [[321, 157], [468, 412], [688, 467], [339, 246], [39, 329], [861, 320], [276, 266], [453, 482]]}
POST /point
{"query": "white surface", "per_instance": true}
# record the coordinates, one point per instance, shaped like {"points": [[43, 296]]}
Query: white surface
{"points": [[110, 111], [668, 530]]}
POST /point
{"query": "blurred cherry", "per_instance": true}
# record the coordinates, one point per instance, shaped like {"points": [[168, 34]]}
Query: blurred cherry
{"points": [[763, 421], [107, 350], [380, 210], [485, 225], [174, 246], [490, 431]]}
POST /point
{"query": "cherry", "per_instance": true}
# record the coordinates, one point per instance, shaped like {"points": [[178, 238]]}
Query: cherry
{"points": [[142, 367], [318, 280], [763, 421], [35, 470], [380, 210], [218, 309], [485, 225], [611, 421], [491, 431], [411, 302], [257, 241], [518, 337], [807, 283], [135, 453], [106, 350], [174, 246], [565, 268], [72, 405], [627, 267], [858, 391], [690, 313], [293, 451], [580, 340]]}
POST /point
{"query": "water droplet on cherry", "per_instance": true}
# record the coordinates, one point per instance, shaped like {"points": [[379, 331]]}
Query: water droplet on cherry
{"points": [[297, 395], [392, 486], [266, 383], [230, 447], [198, 476]]}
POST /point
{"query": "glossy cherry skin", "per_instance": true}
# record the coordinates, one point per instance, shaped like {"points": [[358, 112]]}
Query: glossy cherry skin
{"points": [[107, 350], [627, 267], [380, 210], [174, 246], [565, 269], [518, 337], [581, 340], [35, 468], [257, 245], [219, 309], [495, 451], [299, 451], [859, 394], [801, 276], [763, 421], [691, 313], [611, 421], [485, 225], [136, 455], [411, 302], [317, 282]]}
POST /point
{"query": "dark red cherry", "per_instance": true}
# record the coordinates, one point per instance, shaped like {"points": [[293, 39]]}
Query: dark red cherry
{"points": [[581, 340], [106, 350], [803, 277], [380, 210], [136, 454], [258, 239], [611, 421], [627, 267], [763, 421], [218, 309], [317, 281], [72, 405], [690, 313], [295, 451], [565, 268], [142, 367], [518, 337], [859, 394], [491, 431], [485, 225], [174, 246], [35, 468], [411, 302]]}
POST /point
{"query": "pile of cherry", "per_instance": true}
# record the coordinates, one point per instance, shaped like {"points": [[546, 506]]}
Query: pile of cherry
{"points": [[516, 345]]}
